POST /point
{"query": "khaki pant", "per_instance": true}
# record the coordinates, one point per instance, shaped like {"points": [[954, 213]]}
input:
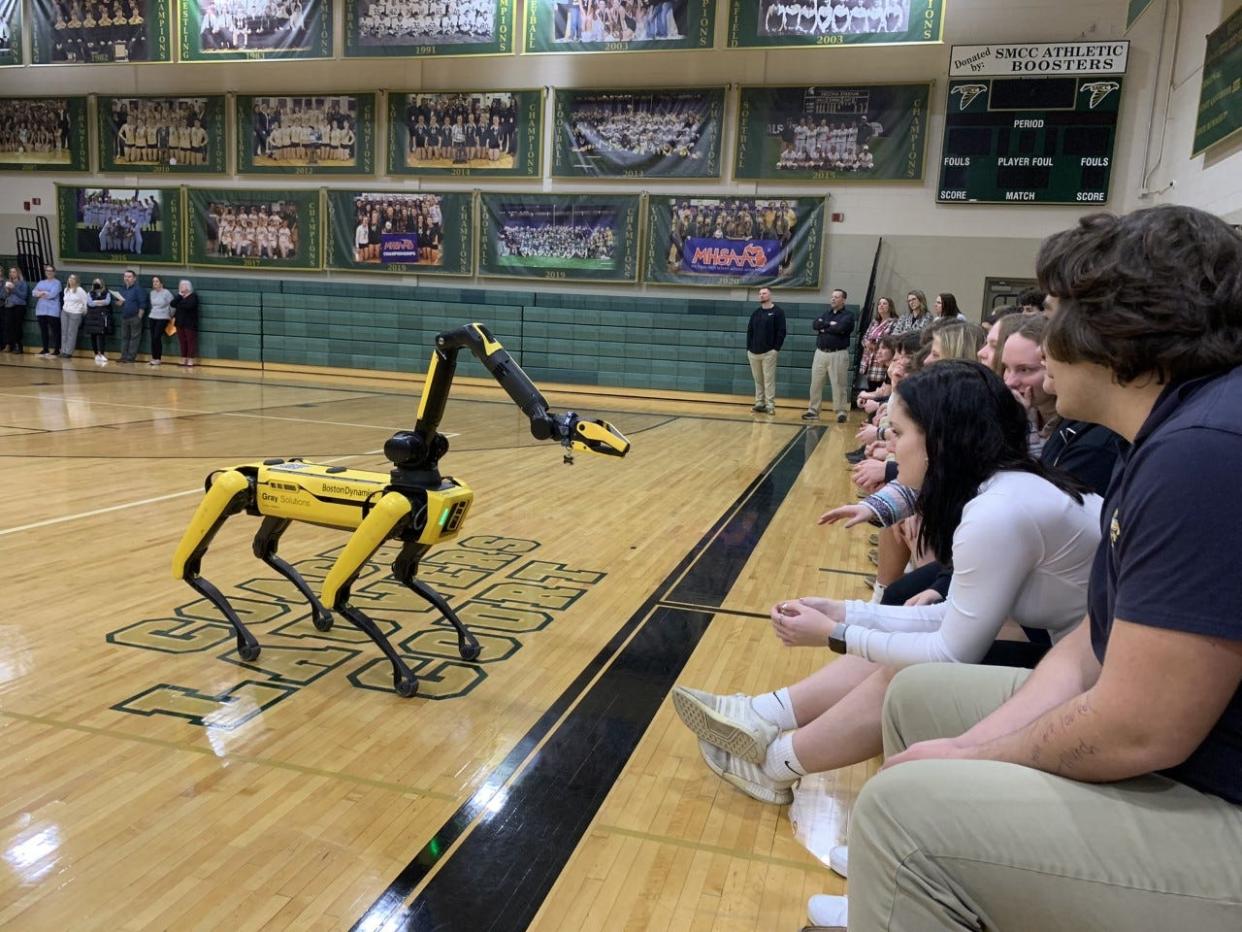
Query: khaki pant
{"points": [[942, 844], [835, 365], [763, 368]]}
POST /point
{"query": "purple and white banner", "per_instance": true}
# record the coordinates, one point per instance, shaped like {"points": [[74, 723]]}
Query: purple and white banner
{"points": [[730, 257]]}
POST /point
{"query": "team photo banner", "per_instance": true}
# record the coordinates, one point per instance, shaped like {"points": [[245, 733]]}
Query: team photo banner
{"points": [[484, 134], [428, 28], [860, 133], [10, 32], [659, 133], [561, 26], [732, 241], [87, 33], [1039, 59], [120, 224], [820, 23], [403, 232], [253, 30], [253, 229], [167, 135], [316, 134], [43, 134], [566, 237]]}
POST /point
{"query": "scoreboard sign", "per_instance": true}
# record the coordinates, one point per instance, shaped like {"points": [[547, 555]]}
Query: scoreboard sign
{"points": [[1026, 139]]}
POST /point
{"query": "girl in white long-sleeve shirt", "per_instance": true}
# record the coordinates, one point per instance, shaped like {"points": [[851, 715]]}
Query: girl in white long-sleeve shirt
{"points": [[1020, 539]]}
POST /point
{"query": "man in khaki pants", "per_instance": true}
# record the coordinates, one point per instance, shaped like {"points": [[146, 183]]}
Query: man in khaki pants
{"points": [[832, 358], [1104, 789], [765, 335]]}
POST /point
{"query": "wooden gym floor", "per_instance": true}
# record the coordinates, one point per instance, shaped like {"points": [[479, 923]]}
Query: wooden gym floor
{"points": [[154, 780]]}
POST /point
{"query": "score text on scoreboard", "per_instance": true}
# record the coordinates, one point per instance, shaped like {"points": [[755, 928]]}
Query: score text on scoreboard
{"points": [[1031, 140]]}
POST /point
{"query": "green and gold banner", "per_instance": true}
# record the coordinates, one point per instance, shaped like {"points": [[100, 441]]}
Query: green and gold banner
{"points": [[858, 133], [123, 225], [657, 133], [1220, 95], [732, 241], [408, 233], [483, 134], [319, 134], [167, 135], [561, 26], [566, 237], [43, 134], [253, 229], [240, 30], [428, 28], [10, 32], [823, 23], [90, 33]]}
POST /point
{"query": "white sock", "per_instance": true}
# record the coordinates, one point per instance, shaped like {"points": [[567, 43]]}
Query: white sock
{"points": [[782, 763], [776, 707], [877, 594]]}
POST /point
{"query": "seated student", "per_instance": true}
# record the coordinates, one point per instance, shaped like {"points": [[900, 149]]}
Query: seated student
{"points": [[961, 439], [1103, 790]]}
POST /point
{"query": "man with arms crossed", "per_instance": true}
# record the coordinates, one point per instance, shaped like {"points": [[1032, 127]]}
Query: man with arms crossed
{"points": [[1104, 789], [832, 358]]}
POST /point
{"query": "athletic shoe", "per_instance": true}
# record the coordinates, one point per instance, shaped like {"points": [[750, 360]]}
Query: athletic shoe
{"points": [[841, 416], [874, 540], [727, 722], [854, 457], [874, 557], [810, 416], [760, 407], [769, 409], [747, 777], [827, 913], [66, 355], [103, 360], [869, 581], [153, 362], [839, 859]]}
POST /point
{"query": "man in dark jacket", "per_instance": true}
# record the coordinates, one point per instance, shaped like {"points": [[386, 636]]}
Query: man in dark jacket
{"points": [[765, 334], [832, 358]]}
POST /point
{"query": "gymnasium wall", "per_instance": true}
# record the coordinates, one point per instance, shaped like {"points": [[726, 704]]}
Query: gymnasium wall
{"points": [[926, 245]]}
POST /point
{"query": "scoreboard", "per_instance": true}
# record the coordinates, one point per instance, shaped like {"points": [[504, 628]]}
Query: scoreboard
{"points": [[1029, 140]]}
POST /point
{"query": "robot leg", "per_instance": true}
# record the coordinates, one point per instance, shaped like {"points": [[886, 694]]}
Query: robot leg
{"points": [[265, 543], [405, 569]]}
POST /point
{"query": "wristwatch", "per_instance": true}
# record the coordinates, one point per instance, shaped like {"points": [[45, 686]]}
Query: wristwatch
{"points": [[836, 640]]}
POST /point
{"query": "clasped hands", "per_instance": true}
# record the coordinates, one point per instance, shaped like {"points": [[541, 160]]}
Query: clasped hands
{"points": [[806, 622]]}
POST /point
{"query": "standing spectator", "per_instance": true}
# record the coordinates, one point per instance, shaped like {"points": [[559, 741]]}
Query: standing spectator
{"points": [[1031, 301], [185, 313], [47, 311], [160, 299], [832, 358], [96, 324], [71, 313], [885, 319], [16, 299], [946, 307], [765, 334], [133, 302], [918, 318]]}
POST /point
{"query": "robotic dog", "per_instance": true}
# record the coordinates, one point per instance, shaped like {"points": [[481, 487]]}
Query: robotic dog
{"points": [[413, 503]]}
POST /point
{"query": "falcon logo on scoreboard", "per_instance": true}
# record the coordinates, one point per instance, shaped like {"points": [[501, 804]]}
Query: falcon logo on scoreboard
{"points": [[969, 92], [1099, 90]]}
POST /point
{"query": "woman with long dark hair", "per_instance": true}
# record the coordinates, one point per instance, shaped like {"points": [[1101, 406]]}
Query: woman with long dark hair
{"points": [[1020, 537], [946, 307], [881, 326]]}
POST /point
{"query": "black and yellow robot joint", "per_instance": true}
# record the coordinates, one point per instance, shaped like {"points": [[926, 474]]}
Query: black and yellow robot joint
{"points": [[412, 503]]}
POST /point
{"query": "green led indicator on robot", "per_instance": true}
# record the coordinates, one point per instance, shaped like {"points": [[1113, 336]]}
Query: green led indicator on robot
{"points": [[444, 517]]}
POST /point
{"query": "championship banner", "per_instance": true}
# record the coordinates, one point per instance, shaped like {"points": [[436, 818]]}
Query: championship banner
{"points": [[10, 32], [483, 134], [665, 133], [100, 33], [1220, 91], [320, 134], [254, 30], [862, 133], [43, 134], [820, 23], [123, 225], [428, 28], [566, 237], [253, 229], [732, 241], [409, 233], [177, 135], [561, 26]]}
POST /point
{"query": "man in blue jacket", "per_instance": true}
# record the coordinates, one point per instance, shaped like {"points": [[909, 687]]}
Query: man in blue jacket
{"points": [[134, 303]]}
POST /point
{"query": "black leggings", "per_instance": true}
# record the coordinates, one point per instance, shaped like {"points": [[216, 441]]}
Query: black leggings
{"points": [[157, 336], [49, 333], [97, 344]]}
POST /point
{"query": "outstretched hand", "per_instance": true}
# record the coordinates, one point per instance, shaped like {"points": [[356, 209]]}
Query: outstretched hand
{"points": [[850, 514]]}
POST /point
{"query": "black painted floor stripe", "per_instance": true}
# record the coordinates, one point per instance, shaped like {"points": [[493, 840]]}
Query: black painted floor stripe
{"points": [[501, 873], [829, 569], [713, 609]]}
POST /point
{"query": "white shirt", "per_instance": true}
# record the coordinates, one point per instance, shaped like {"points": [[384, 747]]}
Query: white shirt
{"points": [[1023, 551], [75, 300]]}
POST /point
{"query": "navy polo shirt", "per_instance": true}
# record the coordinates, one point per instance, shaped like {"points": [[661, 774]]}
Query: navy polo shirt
{"points": [[1172, 526]]}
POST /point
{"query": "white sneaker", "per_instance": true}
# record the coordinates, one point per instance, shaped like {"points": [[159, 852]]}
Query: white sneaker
{"points": [[770, 409], [726, 722], [747, 777], [153, 362], [827, 912], [839, 859], [103, 360]]}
